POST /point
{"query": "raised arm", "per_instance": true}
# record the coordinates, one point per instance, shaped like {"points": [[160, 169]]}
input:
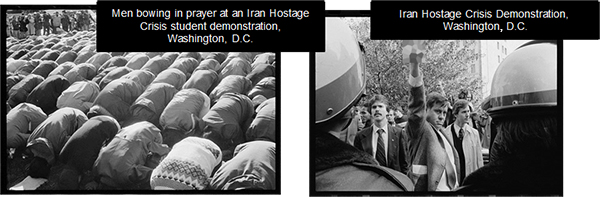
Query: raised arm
{"points": [[416, 105]]}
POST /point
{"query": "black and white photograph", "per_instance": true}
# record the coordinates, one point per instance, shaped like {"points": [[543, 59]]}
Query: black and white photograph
{"points": [[435, 116], [80, 119]]}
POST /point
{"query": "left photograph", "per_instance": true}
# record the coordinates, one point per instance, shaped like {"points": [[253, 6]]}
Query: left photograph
{"points": [[80, 119]]}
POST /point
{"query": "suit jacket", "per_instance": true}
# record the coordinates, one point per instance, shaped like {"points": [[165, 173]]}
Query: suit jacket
{"points": [[427, 155], [471, 147], [396, 157]]}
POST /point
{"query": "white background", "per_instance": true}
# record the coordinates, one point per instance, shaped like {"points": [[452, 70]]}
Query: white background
{"points": [[581, 103]]}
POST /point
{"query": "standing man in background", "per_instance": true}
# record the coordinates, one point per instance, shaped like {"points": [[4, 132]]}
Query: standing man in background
{"points": [[465, 139], [382, 140]]}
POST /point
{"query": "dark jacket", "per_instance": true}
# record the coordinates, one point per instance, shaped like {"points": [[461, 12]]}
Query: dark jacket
{"points": [[19, 92], [46, 93], [531, 175], [341, 167], [82, 148], [396, 157]]}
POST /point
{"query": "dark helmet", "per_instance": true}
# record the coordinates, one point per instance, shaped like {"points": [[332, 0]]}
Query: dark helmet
{"points": [[525, 81], [340, 72]]}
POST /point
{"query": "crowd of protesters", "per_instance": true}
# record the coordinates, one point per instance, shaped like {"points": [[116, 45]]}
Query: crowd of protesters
{"points": [[44, 22]]}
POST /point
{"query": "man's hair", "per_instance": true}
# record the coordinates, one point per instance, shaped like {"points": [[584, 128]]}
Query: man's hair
{"points": [[377, 98], [459, 105], [463, 94], [436, 98], [529, 137]]}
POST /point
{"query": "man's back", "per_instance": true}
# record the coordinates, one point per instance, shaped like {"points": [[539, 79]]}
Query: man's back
{"points": [[341, 167]]}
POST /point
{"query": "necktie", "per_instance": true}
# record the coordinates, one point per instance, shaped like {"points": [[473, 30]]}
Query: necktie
{"points": [[380, 154], [461, 134]]}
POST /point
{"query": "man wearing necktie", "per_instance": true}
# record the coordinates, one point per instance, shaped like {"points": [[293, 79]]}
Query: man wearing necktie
{"points": [[465, 139], [381, 140], [434, 163]]}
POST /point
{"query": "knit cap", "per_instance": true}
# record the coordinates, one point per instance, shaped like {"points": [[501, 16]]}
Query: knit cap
{"points": [[188, 166]]}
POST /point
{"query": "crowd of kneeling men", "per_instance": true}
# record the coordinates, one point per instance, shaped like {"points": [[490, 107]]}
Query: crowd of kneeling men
{"points": [[143, 120]]}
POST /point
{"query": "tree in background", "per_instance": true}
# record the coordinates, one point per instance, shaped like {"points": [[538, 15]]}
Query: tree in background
{"points": [[446, 66]]}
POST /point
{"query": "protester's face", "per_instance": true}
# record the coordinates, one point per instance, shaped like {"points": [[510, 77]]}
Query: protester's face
{"points": [[364, 115], [390, 117], [379, 111], [436, 115], [463, 115]]}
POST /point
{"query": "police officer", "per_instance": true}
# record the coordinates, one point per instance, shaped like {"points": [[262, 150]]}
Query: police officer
{"points": [[526, 155], [340, 83]]}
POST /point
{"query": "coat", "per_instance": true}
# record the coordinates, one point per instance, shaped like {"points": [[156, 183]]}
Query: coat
{"points": [[46, 93], [396, 157], [151, 104], [253, 166], [227, 121], [236, 66], [218, 56], [124, 161], [209, 64], [342, 167], [62, 69], [266, 87], [44, 68], [113, 75], [231, 84], [81, 72], [80, 95], [263, 127], [428, 158], [83, 147], [118, 96], [48, 139], [259, 72], [471, 147], [143, 77], [137, 61], [181, 116], [186, 65], [156, 65], [171, 76], [203, 80], [19, 92], [20, 122]]}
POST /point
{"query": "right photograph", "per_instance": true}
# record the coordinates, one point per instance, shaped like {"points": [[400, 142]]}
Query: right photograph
{"points": [[434, 116]]}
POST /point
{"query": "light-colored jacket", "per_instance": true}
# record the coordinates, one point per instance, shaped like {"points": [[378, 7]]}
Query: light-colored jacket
{"points": [[471, 147]]}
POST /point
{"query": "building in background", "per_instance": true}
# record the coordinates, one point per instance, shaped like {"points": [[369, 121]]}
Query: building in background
{"points": [[492, 53]]}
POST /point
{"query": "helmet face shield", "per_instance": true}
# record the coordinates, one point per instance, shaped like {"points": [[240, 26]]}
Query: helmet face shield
{"points": [[526, 78], [340, 72]]}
